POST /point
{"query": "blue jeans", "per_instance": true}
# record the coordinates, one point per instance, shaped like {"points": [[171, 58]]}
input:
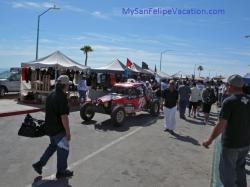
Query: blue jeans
{"points": [[82, 94], [62, 154], [232, 167], [182, 107]]}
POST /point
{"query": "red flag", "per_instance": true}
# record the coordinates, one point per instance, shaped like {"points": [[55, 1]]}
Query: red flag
{"points": [[129, 63]]}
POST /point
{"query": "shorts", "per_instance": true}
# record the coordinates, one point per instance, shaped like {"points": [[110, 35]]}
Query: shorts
{"points": [[206, 108], [192, 104], [199, 103]]}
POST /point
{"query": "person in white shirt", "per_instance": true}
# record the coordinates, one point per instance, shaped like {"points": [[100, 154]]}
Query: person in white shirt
{"points": [[194, 99], [149, 90], [221, 91], [82, 89]]}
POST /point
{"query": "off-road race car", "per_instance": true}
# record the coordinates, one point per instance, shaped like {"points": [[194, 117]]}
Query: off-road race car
{"points": [[124, 99]]}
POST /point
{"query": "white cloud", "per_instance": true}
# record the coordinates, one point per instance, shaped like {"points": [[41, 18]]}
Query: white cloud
{"points": [[99, 14], [35, 5], [31, 5], [72, 8]]}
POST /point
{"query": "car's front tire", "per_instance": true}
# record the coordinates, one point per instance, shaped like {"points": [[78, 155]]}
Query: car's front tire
{"points": [[87, 111], [2, 91], [118, 116]]}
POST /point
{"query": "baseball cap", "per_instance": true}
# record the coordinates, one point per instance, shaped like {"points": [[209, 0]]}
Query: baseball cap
{"points": [[235, 80], [63, 79], [171, 82]]}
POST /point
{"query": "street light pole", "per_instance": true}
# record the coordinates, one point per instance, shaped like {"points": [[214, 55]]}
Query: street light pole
{"points": [[38, 27], [161, 56], [194, 69]]}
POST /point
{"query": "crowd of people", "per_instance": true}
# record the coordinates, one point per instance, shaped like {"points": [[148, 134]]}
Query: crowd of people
{"points": [[175, 95]]}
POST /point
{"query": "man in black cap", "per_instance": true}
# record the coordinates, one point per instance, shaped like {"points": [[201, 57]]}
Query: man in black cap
{"points": [[234, 124], [57, 127]]}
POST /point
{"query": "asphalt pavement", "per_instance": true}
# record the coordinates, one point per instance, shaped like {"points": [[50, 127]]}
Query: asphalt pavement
{"points": [[138, 154]]}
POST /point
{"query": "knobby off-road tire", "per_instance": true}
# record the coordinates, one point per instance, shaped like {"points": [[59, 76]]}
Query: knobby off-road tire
{"points": [[118, 116], [87, 111]]}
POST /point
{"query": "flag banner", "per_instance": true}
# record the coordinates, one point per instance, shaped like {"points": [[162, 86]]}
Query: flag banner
{"points": [[129, 63], [144, 65]]}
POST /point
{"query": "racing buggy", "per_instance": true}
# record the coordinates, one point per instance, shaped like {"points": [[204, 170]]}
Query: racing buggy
{"points": [[125, 99]]}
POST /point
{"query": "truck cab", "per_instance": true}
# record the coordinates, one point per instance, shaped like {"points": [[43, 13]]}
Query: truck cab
{"points": [[9, 82]]}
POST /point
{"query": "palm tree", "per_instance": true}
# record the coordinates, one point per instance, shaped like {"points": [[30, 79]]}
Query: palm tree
{"points": [[85, 50], [200, 68]]}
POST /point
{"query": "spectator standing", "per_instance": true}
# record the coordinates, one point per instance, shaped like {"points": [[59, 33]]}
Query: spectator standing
{"points": [[82, 89], [156, 89], [208, 98], [235, 129], [221, 91], [184, 94], [163, 86], [170, 97], [194, 99], [57, 128], [149, 90]]}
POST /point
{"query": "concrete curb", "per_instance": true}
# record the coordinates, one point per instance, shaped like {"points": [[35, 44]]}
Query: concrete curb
{"points": [[20, 112]]}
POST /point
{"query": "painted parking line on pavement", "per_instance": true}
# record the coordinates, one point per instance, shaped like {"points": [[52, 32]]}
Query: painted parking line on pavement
{"points": [[81, 161]]}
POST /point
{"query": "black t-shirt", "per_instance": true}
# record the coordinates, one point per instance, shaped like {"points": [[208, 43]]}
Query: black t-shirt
{"points": [[158, 92], [236, 110], [170, 98], [56, 105]]}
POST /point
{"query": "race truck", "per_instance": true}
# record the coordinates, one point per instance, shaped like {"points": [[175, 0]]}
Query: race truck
{"points": [[123, 100]]}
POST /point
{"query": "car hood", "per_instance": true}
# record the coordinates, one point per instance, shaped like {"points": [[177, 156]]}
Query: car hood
{"points": [[110, 97]]}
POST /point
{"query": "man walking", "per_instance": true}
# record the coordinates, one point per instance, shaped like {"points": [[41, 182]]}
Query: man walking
{"points": [[194, 99], [234, 124], [184, 94], [57, 127], [170, 97], [208, 98]]}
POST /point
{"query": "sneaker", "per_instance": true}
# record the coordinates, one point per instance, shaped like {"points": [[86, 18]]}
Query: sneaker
{"points": [[166, 130], [38, 167], [183, 117], [66, 174], [172, 132]]}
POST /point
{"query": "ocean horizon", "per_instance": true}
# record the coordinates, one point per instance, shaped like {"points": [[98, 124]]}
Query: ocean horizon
{"points": [[3, 69]]}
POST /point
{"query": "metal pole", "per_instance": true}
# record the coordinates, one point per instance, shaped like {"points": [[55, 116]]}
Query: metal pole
{"points": [[160, 61], [194, 69], [38, 26], [37, 37]]}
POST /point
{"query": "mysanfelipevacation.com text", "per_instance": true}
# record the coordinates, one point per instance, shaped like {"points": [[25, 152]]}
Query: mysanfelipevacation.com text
{"points": [[171, 11]]}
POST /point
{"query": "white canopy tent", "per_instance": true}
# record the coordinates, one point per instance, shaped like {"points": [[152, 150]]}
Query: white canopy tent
{"points": [[162, 75], [140, 70], [181, 75], [115, 66], [56, 60]]}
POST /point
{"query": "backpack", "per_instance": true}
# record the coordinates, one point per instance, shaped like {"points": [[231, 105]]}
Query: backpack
{"points": [[211, 98], [32, 127]]}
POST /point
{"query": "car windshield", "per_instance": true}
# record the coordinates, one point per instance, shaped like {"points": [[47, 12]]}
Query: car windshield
{"points": [[120, 90], [4, 75]]}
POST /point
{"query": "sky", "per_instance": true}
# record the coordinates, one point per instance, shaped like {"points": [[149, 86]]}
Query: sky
{"points": [[185, 40]]}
